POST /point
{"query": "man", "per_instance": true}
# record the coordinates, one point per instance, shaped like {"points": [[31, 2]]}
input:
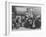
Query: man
{"points": [[18, 22], [38, 21]]}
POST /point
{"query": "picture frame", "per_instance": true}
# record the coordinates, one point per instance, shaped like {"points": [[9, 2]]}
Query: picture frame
{"points": [[8, 15]]}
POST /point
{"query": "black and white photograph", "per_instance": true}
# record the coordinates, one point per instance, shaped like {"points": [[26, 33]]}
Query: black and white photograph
{"points": [[22, 18], [26, 17]]}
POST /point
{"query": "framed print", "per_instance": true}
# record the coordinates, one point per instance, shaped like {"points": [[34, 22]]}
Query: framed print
{"points": [[24, 16]]}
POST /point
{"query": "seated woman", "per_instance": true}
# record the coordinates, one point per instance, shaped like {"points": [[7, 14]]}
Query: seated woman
{"points": [[28, 22]]}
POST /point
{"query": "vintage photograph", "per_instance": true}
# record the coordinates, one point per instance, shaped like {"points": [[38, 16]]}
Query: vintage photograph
{"points": [[26, 17]]}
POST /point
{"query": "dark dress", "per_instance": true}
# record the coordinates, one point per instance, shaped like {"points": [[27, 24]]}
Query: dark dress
{"points": [[27, 23]]}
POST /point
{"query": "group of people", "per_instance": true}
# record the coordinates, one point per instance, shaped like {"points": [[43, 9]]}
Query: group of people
{"points": [[27, 21]]}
